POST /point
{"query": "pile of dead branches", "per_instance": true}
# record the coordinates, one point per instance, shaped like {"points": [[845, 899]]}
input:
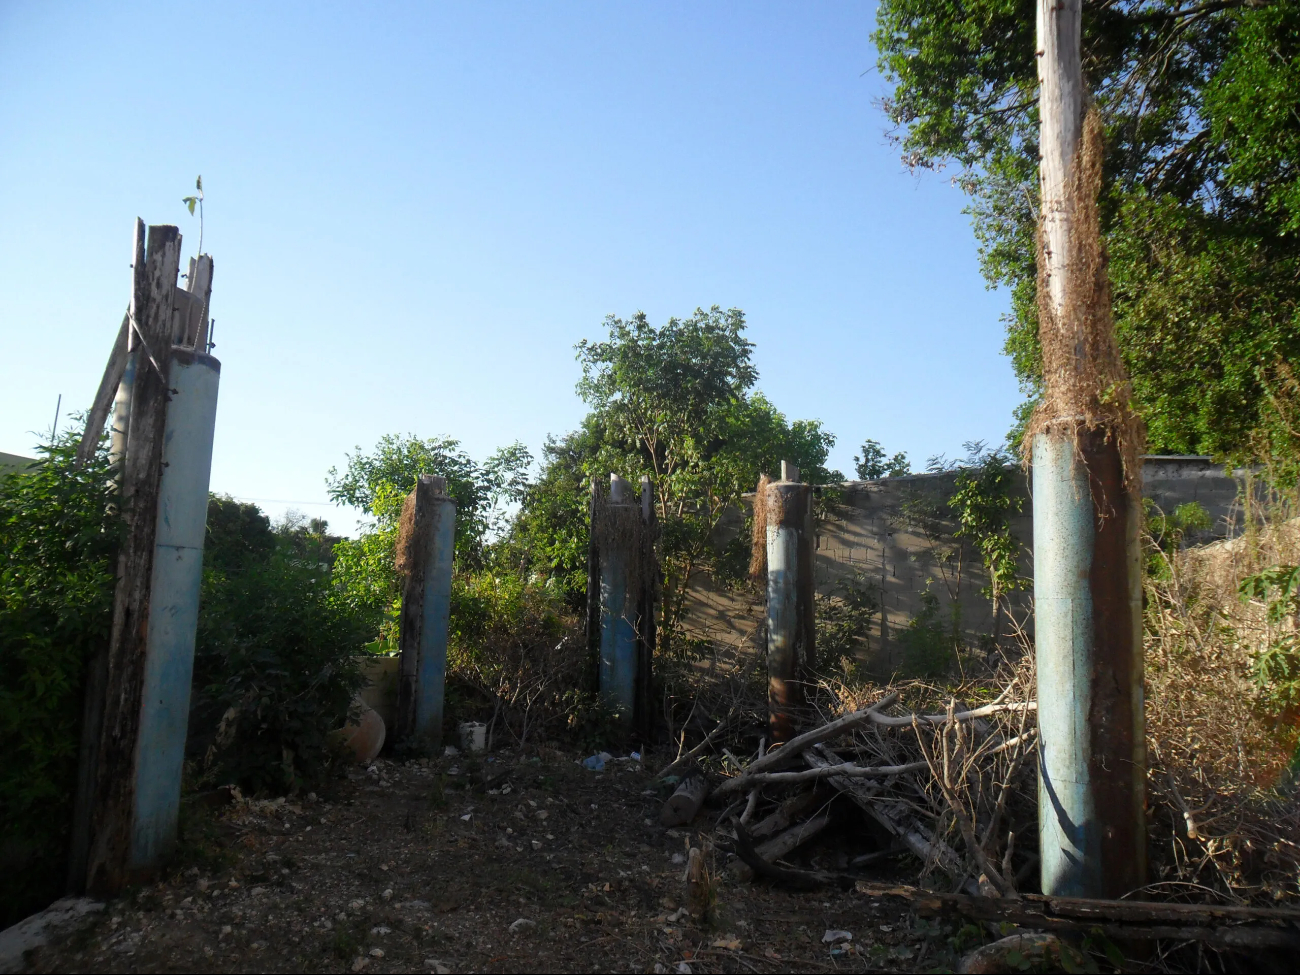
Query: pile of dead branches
{"points": [[953, 786]]}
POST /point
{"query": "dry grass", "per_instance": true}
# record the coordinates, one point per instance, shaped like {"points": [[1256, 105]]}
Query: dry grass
{"points": [[1218, 755]]}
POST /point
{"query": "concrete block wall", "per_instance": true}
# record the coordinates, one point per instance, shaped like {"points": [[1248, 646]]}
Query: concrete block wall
{"points": [[897, 537]]}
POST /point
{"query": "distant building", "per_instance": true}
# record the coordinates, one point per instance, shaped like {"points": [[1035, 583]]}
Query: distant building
{"points": [[13, 462]]}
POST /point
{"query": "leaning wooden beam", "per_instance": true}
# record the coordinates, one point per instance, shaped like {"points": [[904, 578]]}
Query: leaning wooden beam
{"points": [[788, 813], [792, 749], [104, 396], [112, 802], [1218, 925]]}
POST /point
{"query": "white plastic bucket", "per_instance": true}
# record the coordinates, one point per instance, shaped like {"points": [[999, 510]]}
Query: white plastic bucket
{"points": [[473, 736]]}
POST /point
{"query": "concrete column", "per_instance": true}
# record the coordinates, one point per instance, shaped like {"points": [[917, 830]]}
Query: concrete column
{"points": [[788, 614], [432, 669], [174, 604], [1088, 620], [618, 638]]}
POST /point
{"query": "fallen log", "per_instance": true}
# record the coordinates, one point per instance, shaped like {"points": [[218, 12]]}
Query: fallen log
{"points": [[928, 849], [846, 769], [787, 876], [783, 843], [792, 749], [905, 720], [1221, 926], [683, 805], [787, 814]]}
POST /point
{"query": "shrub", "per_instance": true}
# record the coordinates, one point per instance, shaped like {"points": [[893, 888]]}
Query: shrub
{"points": [[517, 648], [61, 533], [928, 649], [274, 666]]}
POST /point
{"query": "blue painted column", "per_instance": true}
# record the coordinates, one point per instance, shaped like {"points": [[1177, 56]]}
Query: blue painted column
{"points": [[174, 604], [431, 670], [1088, 630], [618, 641]]}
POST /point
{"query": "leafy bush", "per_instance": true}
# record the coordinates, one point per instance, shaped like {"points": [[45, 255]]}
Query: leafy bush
{"points": [[844, 621], [928, 650], [1277, 664], [274, 665], [518, 650], [61, 533]]}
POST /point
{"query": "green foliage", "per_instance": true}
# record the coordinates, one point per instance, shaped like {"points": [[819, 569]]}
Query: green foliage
{"points": [[984, 501], [516, 648], [1169, 532], [378, 483], [548, 539], [1277, 667], [874, 464], [1253, 104], [844, 621], [677, 404], [928, 650], [274, 661], [1206, 305], [61, 533], [1200, 108]]}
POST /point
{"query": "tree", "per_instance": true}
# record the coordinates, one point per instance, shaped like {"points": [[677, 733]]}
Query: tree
{"points": [[378, 483], [874, 464], [676, 403], [1199, 104], [985, 498]]}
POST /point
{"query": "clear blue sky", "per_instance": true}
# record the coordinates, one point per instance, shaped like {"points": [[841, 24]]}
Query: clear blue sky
{"points": [[417, 209]]}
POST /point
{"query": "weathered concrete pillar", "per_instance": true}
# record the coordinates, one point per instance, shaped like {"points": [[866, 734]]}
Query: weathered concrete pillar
{"points": [[788, 513], [1088, 621], [437, 615], [177, 577], [429, 550], [1087, 568], [618, 605]]}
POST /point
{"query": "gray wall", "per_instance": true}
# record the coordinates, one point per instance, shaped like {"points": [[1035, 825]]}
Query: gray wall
{"points": [[896, 536]]}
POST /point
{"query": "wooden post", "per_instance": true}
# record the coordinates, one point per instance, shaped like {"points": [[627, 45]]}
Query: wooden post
{"points": [[113, 774], [104, 396], [96, 677]]}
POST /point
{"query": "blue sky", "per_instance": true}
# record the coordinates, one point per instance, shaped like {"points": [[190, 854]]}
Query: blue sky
{"points": [[416, 210]]}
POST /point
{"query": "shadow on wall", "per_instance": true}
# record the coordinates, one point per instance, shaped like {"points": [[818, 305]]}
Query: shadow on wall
{"points": [[893, 543]]}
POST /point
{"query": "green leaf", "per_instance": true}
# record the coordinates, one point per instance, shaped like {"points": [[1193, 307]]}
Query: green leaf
{"points": [[189, 201]]}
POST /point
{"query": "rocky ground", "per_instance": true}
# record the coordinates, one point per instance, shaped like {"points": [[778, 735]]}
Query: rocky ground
{"points": [[513, 864]]}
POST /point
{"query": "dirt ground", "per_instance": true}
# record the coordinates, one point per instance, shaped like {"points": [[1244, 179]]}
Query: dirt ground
{"points": [[512, 864]]}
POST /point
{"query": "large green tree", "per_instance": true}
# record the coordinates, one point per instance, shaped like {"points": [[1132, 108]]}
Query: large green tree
{"points": [[1201, 102], [677, 403]]}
